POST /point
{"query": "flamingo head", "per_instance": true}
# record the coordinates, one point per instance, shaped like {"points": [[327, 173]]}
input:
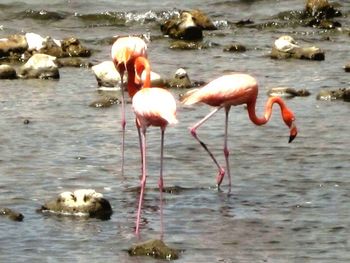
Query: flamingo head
{"points": [[289, 120]]}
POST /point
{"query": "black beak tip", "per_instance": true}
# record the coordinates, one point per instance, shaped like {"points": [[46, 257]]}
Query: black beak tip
{"points": [[291, 138]]}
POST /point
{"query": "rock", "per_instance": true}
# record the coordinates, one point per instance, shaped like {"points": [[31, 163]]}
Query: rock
{"points": [[346, 95], [156, 79], [286, 44], [187, 45], [202, 20], [286, 47], [180, 80], [105, 102], [81, 202], [73, 62], [154, 248], [311, 53], [13, 44], [321, 9], [334, 94], [7, 72], [182, 27], [11, 214], [35, 41], [72, 48], [106, 74], [287, 92], [40, 66], [347, 67], [235, 47]]}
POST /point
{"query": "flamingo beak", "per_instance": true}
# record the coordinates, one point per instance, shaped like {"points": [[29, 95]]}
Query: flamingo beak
{"points": [[293, 132]]}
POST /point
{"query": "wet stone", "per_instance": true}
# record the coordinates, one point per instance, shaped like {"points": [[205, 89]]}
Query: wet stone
{"points": [[81, 202], [235, 47], [7, 72], [11, 214], [40, 66], [105, 102], [334, 94], [154, 248], [287, 92]]}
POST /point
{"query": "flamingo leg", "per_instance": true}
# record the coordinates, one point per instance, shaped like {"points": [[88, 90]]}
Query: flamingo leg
{"points": [[143, 179], [123, 121], [221, 171], [140, 141], [161, 183], [226, 151]]}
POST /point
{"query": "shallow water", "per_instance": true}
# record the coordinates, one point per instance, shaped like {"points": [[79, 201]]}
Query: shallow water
{"points": [[289, 202]]}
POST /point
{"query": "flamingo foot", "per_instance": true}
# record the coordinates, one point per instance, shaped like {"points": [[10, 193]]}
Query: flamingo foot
{"points": [[220, 177]]}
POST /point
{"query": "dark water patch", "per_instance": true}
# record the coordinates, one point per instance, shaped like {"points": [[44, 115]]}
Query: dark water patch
{"points": [[43, 15]]}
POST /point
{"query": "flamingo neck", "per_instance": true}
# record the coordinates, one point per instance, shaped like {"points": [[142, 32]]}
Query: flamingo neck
{"points": [[268, 110], [142, 64], [133, 87]]}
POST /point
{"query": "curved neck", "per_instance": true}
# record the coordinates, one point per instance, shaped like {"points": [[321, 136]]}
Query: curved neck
{"points": [[142, 64], [268, 110], [132, 86]]}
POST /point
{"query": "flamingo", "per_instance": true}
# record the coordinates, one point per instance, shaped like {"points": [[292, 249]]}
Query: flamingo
{"points": [[152, 107], [232, 90], [124, 52]]}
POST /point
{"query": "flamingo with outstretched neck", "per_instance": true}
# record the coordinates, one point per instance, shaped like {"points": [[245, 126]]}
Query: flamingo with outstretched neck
{"points": [[124, 52], [233, 90], [153, 107]]}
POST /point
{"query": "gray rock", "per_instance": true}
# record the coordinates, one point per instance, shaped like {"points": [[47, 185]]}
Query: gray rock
{"points": [[180, 79], [182, 27], [82, 202], [7, 72], [40, 66], [154, 248], [287, 92], [11, 214], [334, 94], [13, 44]]}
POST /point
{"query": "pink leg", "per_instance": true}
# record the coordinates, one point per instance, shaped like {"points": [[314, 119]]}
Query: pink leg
{"points": [[221, 172], [226, 151], [140, 142], [143, 179], [123, 122], [161, 183]]}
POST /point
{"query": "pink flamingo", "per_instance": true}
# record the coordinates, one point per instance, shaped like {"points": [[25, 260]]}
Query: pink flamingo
{"points": [[124, 52], [233, 90], [152, 107]]}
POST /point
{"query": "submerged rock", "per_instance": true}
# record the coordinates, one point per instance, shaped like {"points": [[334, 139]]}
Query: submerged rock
{"points": [[105, 102], [72, 47], [334, 94], [154, 248], [202, 20], [235, 47], [321, 9], [11, 214], [180, 79], [81, 202], [287, 92], [7, 72], [286, 47], [183, 27], [40, 66], [76, 62]]}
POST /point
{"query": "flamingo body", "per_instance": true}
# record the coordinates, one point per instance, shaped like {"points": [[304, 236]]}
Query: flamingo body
{"points": [[232, 90], [125, 51], [226, 90], [154, 107]]}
